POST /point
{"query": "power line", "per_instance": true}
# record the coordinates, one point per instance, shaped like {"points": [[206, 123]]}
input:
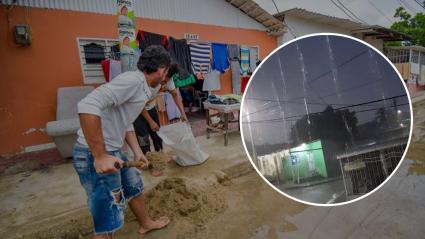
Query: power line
{"points": [[327, 72], [412, 9], [342, 64], [340, 8], [298, 102], [386, 107], [274, 3], [360, 104], [420, 4], [346, 8], [359, 86], [305, 79], [380, 12], [320, 76], [354, 111], [259, 110], [331, 110], [317, 78], [343, 11], [289, 28], [407, 6]]}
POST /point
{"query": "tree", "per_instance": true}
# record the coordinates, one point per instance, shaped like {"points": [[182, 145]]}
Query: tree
{"points": [[386, 118], [412, 26], [338, 126]]}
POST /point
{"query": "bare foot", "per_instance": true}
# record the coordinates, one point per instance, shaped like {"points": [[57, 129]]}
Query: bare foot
{"points": [[154, 225], [156, 172]]}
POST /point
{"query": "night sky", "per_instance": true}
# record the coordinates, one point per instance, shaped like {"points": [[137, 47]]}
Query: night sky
{"points": [[321, 71]]}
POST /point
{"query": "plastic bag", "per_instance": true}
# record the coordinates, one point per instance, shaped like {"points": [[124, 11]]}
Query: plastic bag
{"points": [[180, 138]]}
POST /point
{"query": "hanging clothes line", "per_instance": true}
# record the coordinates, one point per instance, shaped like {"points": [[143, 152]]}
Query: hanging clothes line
{"points": [[200, 53], [200, 57]]}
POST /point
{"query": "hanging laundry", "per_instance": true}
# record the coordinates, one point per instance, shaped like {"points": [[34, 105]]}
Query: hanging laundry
{"points": [[105, 68], [160, 102], [236, 72], [146, 39], [244, 60], [181, 82], [219, 57], [180, 53], [200, 53], [233, 52], [114, 69], [111, 68], [244, 83], [212, 81], [172, 111], [253, 58]]}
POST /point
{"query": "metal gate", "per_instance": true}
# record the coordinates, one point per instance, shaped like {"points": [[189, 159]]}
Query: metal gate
{"points": [[365, 171]]}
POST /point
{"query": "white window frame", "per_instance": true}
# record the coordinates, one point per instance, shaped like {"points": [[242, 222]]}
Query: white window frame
{"points": [[98, 77]]}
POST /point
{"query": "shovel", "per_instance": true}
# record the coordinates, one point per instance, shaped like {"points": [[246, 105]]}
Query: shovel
{"points": [[128, 164]]}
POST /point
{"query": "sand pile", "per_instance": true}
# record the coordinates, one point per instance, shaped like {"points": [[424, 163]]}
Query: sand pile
{"points": [[178, 198], [158, 160]]}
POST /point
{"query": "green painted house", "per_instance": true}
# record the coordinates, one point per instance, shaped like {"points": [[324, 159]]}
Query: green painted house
{"points": [[309, 161]]}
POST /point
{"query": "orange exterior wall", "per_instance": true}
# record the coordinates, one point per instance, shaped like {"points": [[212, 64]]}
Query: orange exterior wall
{"points": [[30, 76]]}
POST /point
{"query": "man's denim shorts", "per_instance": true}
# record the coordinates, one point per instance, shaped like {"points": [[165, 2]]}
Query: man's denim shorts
{"points": [[106, 193]]}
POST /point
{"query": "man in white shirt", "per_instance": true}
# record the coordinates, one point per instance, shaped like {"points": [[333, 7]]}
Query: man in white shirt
{"points": [[106, 118]]}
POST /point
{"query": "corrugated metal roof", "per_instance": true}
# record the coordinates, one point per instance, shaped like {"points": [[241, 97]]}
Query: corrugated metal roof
{"points": [[97, 6], [274, 26], [383, 33], [320, 18], [210, 12], [374, 147]]}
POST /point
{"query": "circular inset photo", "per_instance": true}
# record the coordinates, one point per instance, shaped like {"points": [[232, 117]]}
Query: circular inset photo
{"points": [[326, 119]]}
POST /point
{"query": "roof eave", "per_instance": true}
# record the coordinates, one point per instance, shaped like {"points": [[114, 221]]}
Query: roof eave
{"points": [[274, 26]]}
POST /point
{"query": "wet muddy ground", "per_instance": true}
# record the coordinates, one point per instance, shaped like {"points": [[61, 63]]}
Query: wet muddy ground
{"points": [[251, 208]]}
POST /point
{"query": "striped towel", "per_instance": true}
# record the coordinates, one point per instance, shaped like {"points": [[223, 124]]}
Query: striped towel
{"points": [[244, 60], [200, 54]]}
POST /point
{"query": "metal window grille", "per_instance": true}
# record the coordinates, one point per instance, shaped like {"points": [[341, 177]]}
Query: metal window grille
{"points": [[364, 172], [398, 55], [92, 70]]}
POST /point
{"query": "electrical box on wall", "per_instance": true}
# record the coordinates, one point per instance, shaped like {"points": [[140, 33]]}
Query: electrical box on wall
{"points": [[22, 34]]}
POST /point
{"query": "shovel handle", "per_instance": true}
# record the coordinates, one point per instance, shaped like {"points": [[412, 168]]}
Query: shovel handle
{"points": [[128, 164]]}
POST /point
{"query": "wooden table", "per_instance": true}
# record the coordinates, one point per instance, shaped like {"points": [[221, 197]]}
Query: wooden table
{"points": [[226, 110]]}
